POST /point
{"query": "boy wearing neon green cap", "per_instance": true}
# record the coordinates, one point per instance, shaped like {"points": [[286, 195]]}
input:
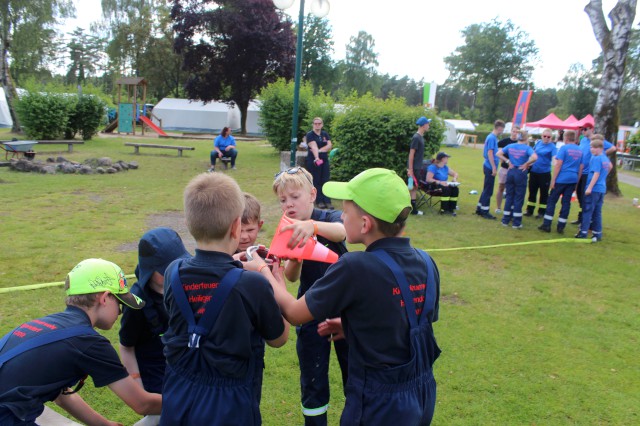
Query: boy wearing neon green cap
{"points": [[388, 298], [42, 359]]}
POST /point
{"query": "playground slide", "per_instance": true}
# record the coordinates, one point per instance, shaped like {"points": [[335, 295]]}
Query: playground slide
{"points": [[155, 128], [111, 126]]}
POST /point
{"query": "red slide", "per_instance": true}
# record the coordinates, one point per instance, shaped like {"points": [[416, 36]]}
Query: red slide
{"points": [[149, 123]]}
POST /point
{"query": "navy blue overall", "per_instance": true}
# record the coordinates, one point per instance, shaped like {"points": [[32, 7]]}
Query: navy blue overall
{"points": [[6, 416], [403, 394], [564, 190], [218, 400], [516, 189]]}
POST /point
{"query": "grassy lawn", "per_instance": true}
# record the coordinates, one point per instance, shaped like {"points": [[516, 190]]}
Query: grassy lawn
{"points": [[532, 334]]}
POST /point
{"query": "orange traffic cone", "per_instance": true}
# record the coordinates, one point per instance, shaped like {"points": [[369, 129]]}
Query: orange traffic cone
{"points": [[574, 197], [312, 250]]}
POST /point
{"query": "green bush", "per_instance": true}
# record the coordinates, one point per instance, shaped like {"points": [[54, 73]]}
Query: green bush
{"points": [[86, 117], [45, 115], [377, 133], [276, 112]]}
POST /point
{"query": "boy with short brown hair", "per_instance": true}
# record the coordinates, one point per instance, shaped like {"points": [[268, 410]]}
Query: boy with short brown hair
{"points": [[219, 316], [42, 359], [251, 222]]}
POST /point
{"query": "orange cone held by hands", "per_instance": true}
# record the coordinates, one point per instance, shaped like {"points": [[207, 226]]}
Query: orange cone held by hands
{"points": [[312, 250]]}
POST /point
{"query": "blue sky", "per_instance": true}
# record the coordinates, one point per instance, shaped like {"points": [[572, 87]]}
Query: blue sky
{"points": [[413, 36]]}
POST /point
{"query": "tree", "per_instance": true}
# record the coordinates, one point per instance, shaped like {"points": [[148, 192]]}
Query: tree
{"points": [[232, 48], [577, 93], [542, 101], [85, 51], [317, 65], [26, 20], [614, 43], [497, 58], [360, 63], [131, 26]]}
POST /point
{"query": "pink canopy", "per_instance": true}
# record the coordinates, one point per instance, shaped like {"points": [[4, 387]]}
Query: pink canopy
{"points": [[570, 122], [586, 121], [551, 121]]}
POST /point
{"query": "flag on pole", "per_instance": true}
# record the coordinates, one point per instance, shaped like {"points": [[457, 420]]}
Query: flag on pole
{"points": [[520, 111], [429, 94]]}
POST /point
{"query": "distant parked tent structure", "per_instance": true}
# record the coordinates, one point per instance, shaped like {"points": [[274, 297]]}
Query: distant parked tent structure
{"points": [[195, 116], [5, 115]]}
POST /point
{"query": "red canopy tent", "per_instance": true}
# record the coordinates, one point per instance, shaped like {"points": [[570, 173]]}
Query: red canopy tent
{"points": [[551, 121], [570, 122], [586, 121]]}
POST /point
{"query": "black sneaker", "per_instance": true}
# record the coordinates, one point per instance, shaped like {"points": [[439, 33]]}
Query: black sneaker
{"points": [[581, 235], [489, 216], [560, 230], [576, 222], [527, 214], [545, 228]]}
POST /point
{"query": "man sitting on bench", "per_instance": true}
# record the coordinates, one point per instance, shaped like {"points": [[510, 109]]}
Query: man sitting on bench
{"points": [[224, 145]]}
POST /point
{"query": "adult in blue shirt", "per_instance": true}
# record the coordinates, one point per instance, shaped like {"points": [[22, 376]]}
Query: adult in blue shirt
{"points": [[585, 146], [520, 158], [438, 173], [540, 175], [490, 170], [566, 173], [224, 145]]}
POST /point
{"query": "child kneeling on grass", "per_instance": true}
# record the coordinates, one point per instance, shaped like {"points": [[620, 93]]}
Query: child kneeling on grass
{"points": [[219, 316], [41, 359], [388, 298]]}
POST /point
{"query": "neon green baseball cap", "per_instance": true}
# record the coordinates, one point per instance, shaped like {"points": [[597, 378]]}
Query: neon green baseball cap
{"points": [[98, 275], [380, 192]]}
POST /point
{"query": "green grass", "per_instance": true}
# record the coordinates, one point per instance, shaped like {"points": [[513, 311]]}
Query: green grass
{"points": [[538, 334]]}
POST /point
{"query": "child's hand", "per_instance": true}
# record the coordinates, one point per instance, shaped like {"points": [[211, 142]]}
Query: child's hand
{"points": [[332, 327], [302, 231], [587, 192], [277, 269], [254, 265]]}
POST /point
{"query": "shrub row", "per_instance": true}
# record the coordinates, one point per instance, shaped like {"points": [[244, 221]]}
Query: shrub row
{"points": [[56, 115]]}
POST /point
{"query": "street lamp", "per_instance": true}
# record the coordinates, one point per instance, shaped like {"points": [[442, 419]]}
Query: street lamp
{"points": [[319, 8]]}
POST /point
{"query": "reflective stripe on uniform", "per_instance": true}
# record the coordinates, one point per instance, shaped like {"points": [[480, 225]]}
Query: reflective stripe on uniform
{"points": [[314, 411]]}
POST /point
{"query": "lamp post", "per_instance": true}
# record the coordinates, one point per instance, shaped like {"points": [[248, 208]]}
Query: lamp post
{"points": [[319, 8]]}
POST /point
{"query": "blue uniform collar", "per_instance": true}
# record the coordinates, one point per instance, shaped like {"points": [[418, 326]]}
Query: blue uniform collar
{"points": [[208, 257], [392, 243], [79, 313]]}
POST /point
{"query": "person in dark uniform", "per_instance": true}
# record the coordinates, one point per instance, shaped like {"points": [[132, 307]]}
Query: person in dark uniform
{"points": [[416, 158], [540, 175], [219, 316], [320, 145], [388, 300], [520, 157], [296, 194], [504, 167], [141, 347], [41, 360]]}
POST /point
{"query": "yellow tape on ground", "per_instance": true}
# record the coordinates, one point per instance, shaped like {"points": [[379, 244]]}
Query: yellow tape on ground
{"points": [[44, 285], [523, 243]]}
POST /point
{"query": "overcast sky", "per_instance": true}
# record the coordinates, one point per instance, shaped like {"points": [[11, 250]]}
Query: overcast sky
{"points": [[413, 36]]}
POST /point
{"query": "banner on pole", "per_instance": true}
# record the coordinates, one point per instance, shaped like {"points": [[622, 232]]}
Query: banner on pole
{"points": [[520, 111], [429, 94]]}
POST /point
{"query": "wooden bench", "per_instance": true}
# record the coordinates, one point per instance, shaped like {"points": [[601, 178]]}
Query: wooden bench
{"points": [[137, 147], [69, 144]]}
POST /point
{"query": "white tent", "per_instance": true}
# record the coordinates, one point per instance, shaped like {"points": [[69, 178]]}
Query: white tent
{"points": [[253, 114], [195, 116], [5, 115], [451, 135]]}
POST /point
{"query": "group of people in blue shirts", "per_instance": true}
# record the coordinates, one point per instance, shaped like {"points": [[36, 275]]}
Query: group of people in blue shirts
{"points": [[582, 168]]}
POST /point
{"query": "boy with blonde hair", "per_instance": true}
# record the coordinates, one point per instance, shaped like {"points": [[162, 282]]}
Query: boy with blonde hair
{"points": [[219, 316], [42, 359], [387, 297], [596, 188], [296, 193]]}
